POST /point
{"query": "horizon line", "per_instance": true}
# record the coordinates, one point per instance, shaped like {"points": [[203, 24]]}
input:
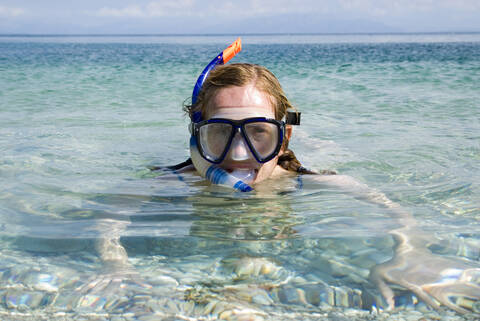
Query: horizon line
{"points": [[229, 34]]}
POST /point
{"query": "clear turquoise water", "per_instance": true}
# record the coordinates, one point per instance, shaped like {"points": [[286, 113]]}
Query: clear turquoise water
{"points": [[81, 118]]}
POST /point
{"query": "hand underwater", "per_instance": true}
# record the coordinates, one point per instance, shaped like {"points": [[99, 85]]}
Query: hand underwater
{"points": [[117, 272], [437, 280]]}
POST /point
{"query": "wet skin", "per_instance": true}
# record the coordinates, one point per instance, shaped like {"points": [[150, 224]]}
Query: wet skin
{"points": [[437, 280]]}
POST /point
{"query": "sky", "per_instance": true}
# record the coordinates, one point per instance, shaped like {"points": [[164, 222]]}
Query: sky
{"points": [[238, 17]]}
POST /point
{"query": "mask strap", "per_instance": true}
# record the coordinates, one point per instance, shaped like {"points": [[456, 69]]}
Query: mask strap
{"points": [[293, 118]]}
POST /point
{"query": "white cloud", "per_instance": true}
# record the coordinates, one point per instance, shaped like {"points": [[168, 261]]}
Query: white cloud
{"points": [[215, 8], [405, 15], [384, 7], [152, 9], [467, 4], [11, 12], [273, 7], [130, 11], [164, 8]]}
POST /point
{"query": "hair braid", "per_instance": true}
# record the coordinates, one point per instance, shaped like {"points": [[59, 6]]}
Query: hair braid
{"points": [[289, 162]]}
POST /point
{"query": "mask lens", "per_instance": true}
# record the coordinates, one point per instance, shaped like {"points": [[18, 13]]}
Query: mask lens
{"points": [[214, 138], [263, 137]]}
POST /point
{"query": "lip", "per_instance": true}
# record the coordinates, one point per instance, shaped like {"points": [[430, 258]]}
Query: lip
{"points": [[246, 175]]}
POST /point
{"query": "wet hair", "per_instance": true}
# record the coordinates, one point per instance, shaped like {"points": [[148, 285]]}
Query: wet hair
{"points": [[243, 74], [239, 75]]}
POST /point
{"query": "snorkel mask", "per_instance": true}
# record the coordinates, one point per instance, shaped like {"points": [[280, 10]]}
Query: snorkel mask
{"points": [[212, 139]]}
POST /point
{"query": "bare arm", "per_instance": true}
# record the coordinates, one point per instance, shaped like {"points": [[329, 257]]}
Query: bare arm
{"points": [[363, 192], [437, 280]]}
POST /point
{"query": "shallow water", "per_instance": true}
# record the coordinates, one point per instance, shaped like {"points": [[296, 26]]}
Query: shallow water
{"points": [[81, 118]]}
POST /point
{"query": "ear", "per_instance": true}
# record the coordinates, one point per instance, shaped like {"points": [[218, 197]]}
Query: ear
{"points": [[288, 132]]}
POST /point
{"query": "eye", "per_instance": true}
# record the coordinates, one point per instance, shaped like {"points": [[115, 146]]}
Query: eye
{"points": [[218, 129], [259, 131]]}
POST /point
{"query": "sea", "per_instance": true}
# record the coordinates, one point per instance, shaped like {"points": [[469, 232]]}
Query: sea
{"points": [[89, 232]]}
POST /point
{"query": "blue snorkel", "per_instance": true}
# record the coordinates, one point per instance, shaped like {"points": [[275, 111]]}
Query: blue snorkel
{"points": [[221, 59], [214, 173]]}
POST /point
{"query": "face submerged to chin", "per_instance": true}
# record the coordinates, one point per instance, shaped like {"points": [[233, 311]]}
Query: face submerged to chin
{"points": [[238, 103]]}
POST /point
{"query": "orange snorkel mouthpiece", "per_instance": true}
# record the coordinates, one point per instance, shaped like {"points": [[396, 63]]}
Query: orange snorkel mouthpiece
{"points": [[232, 50]]}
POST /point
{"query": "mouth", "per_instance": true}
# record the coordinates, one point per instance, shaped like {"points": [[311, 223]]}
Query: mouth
{"points": [[245, 174]]}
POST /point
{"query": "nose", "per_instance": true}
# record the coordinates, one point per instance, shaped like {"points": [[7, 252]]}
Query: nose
{"points": [[239, 149]]}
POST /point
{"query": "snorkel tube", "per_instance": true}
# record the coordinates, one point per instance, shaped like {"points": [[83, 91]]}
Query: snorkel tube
{"points": [[221, 59], [214, 173]]}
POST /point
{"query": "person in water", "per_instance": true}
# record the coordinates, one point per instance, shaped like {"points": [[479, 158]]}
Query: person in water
{"points": [[246, 125], [241, 125]]}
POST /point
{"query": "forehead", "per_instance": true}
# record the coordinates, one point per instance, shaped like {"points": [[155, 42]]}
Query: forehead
{"points": [[240, 102]]}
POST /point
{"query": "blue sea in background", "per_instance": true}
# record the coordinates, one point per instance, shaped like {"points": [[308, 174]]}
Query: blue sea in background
{"points": [[82, 118]]}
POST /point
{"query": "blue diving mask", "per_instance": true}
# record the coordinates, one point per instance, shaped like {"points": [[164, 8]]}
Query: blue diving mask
{"points": [[263, 137]]}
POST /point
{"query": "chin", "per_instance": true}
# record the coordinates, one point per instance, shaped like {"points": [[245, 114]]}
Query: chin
{"points": [[266, 171], [261, 176]]}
